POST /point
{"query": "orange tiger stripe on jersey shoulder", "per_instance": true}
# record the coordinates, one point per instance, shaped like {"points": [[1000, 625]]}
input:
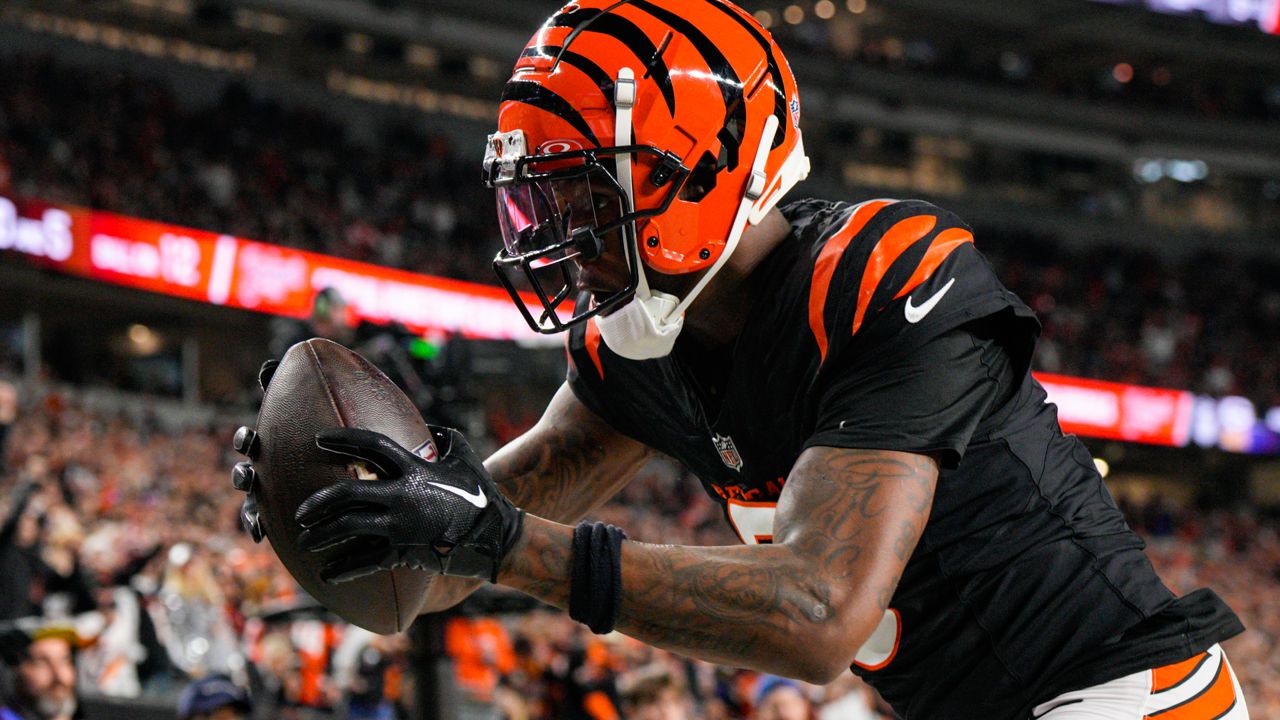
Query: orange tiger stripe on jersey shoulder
{"points": [[939, 250], [888, 249], [825, 268]]}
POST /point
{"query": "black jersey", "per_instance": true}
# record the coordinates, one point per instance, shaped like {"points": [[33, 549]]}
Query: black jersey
{"points": [[880, 326]]}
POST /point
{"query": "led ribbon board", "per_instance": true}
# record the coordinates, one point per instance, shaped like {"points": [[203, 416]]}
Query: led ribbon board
{"points": [[224, 270]]}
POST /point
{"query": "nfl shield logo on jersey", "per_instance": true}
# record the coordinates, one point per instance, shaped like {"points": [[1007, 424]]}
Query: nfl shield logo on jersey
{"points": [[728, 453]]}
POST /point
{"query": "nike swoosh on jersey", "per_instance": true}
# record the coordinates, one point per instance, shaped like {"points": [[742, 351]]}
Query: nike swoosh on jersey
{"points": [[478, 498], [916, 313]]}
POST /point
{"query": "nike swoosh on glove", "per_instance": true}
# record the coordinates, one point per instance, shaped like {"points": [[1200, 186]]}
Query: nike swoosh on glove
{"points": [[444, 517]]}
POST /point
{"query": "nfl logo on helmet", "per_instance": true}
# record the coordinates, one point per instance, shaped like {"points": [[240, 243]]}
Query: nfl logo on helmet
{"points": [[728, 453]]}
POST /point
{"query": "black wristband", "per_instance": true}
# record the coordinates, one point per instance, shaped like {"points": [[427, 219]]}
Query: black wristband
{"points": [[595, 589]]}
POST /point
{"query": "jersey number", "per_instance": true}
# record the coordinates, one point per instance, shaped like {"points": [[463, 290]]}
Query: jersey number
{"points": [[753, 522]]}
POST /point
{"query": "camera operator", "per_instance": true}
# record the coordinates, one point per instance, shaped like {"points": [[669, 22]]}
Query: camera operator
{"points": [[391, 347]]}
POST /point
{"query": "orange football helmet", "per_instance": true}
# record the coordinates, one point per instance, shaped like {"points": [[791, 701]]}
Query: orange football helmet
{"points": [[665, 125]]}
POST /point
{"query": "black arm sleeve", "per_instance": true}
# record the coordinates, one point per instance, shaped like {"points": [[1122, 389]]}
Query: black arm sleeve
{"points": [[927, 401]]}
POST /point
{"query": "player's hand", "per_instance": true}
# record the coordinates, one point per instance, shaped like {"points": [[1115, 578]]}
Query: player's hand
{"points": [[445, 517], [243, 476]]}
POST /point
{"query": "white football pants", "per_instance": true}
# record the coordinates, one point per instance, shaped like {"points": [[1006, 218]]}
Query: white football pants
{"points": [[1203, 687]]}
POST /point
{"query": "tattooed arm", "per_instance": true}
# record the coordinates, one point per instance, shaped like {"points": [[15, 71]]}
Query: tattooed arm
{"points": [[566, 465], [846, 523]]}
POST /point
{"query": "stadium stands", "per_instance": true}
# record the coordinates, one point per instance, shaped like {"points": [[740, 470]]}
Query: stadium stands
{"points": [[170, 599], [1208, 321]]}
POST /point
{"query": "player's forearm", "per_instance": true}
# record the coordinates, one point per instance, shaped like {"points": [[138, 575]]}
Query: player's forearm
{"points": [[539, 476], [563, 468], [761, 607], [560, 476]]}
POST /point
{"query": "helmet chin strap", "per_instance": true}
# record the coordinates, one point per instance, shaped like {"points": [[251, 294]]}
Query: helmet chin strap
{"points": [[647, 327], [624, 96]]}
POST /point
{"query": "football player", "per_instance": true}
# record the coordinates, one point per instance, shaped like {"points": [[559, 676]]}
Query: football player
{"points": [[850, 382]]}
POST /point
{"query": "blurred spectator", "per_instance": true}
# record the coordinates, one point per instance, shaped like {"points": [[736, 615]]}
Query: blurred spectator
{"points": [[371, 670], [201, 637], [18, 562], [654, 692], [848, 698], [8, 414], [781, 699], [214, 698], [482, 652], [44, 673]]}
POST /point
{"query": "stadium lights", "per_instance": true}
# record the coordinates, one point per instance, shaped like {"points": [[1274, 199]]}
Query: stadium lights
{"points": [[825, 9], [421, 56], [1273, 419], [857, 7], [260, 21], [173, 7], [143, 340], [149, 44], [1149, 170], [1123, 73], [794, 14], [358, 43], [765, 18]]}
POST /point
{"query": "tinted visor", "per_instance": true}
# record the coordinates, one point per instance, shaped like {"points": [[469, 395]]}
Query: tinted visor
{"points": [[536, 215], [561, 210]]}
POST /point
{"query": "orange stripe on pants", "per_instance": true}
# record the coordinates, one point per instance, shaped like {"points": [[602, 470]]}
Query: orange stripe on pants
{"points": [[1213, 702]]}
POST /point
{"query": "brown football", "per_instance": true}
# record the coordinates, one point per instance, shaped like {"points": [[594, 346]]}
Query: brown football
{"points": [[321, 384]]}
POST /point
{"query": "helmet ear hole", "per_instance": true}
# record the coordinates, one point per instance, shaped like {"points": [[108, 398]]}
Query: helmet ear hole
{"points": [[702, 179]]}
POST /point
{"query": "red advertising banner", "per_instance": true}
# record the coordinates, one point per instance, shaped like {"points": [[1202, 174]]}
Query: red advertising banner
{"points": [[1118, 411], [224, 270]]}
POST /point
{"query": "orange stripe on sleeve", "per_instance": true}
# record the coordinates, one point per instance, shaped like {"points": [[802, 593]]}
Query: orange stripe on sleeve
{"points": [[1163, 678], [939, 250], [593, 345], [825, 268], [1213, 702], [900, 237]]}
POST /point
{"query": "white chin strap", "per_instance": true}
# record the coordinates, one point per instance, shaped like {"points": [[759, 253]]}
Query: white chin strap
{"points": [[646, 327]]}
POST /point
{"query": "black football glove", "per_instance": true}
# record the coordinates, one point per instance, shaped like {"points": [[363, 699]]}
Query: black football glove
{"points": [[243, 476], [444, 517]]}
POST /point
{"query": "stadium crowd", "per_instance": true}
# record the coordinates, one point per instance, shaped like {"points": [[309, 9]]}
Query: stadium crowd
{"points": [[127, 527], [1209, 322]]}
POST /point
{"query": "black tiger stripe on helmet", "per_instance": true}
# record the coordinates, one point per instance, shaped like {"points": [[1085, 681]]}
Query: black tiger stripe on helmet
{"points": [[588, 67], [780, 109], [626, 32], [730, 85], [537, 95]]}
